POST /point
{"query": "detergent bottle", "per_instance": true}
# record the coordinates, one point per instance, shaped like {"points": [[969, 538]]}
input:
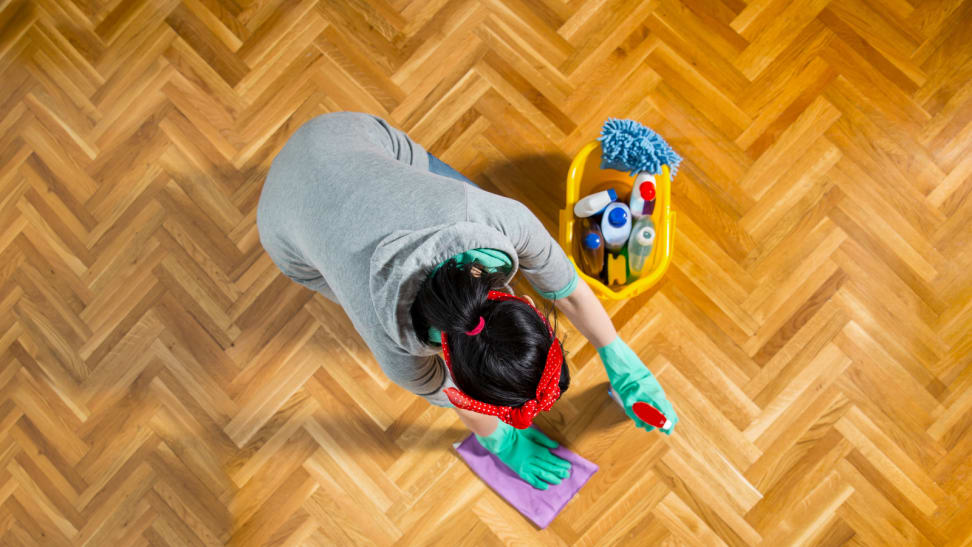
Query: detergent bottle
{"points": [[643, 195], [616, 226], [588, 235], [594, 203], [640, 244]]}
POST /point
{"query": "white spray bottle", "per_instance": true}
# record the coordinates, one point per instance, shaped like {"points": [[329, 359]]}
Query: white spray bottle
{"points": [[640, 244]]}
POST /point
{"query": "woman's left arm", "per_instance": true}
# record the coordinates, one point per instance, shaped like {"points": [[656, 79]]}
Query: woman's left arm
{"points": [[588, 315]]}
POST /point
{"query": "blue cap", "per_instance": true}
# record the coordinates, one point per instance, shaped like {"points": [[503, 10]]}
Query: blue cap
{"points": [[592, 241], [618, 217]]}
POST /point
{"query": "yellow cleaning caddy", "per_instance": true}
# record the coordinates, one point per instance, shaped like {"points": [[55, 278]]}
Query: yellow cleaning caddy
{"points": [[585, 174]]}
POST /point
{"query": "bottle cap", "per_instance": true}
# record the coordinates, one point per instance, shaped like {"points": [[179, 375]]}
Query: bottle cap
{"points": [[618, 217], [647, 190], [592, 241], [645, 236]]}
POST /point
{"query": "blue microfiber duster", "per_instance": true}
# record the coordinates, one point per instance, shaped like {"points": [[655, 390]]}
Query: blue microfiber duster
{"points": [[627, 145]]}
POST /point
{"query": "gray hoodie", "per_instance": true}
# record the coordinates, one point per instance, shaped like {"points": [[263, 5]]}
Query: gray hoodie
{"points": [[350, 209]]}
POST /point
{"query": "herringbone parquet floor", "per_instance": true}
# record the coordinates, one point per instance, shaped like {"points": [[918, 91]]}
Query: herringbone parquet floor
{"points": [[162, 383]]}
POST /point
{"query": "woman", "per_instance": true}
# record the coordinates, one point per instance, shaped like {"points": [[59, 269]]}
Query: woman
{"points": [[421, 259]]}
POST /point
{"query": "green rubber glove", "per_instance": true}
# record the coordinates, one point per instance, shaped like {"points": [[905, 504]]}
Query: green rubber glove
{"points": [[527, 453], [632, 382]]}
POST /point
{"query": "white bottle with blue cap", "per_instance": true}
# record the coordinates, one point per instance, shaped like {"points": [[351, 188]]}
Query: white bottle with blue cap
{"points": [[616, 226], [594, 203]]}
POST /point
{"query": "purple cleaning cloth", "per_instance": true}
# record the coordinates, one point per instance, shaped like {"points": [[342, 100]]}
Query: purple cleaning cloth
{"points": [[540, 506]]}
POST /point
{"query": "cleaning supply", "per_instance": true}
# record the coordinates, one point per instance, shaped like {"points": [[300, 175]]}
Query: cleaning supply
{"points": [[622, 189], [649, 414], [540, 506], [617, 269], [643, 195], [627, 145], [632, 382], [595, 203], [629, 275], [640, 244], [591, 246], [616, 226]]}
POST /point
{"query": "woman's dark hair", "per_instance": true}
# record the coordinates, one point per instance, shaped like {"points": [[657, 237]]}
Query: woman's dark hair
{"points": [[501, 365]]}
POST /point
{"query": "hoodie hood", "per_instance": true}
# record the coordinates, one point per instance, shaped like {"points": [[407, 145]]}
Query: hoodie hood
{"points": [[404, 258]]}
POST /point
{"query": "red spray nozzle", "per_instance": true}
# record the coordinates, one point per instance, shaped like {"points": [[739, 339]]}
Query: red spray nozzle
{"points": [[651, 415], [647, 413]]}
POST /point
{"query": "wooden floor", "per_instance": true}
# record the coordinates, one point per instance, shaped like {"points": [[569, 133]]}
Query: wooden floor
{"points": [[162, 383]]}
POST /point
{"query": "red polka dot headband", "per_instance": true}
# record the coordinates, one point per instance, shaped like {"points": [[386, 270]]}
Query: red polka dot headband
{"points": [[548, 390]]}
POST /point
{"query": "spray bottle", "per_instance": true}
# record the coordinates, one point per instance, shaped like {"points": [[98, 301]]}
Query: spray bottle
{"points": [[640, 244]]}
